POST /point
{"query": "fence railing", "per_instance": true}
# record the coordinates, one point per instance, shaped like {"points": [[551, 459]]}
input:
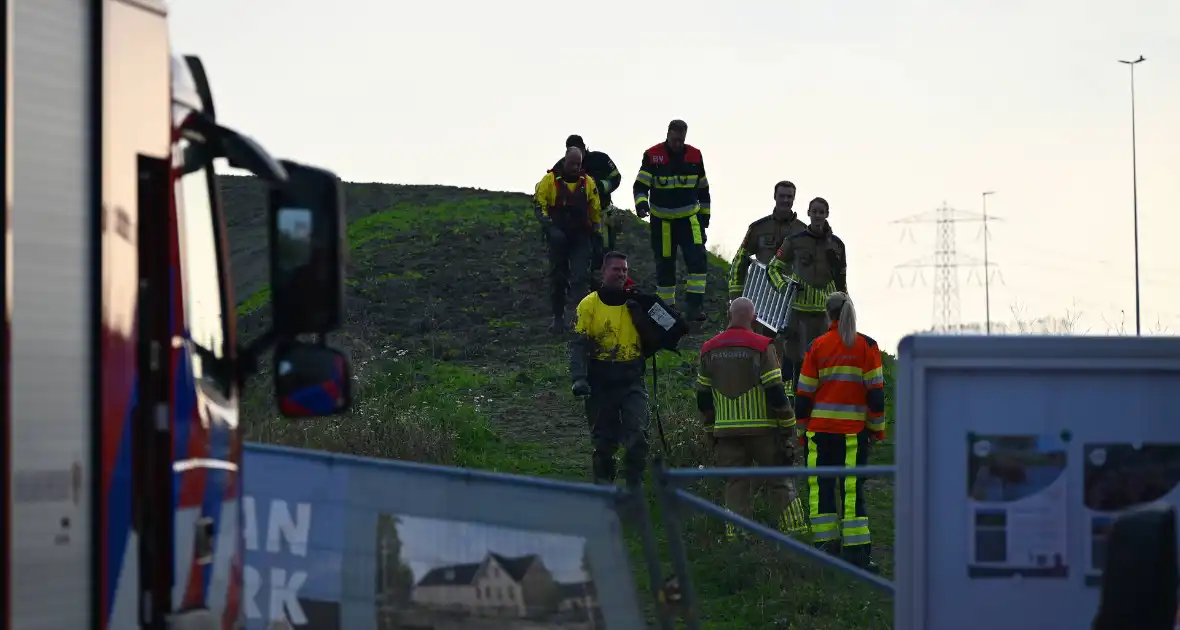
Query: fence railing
{"points": [[671, 496]]}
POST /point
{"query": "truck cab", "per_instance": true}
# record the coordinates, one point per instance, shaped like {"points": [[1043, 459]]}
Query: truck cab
{"points": [[121, 368]]}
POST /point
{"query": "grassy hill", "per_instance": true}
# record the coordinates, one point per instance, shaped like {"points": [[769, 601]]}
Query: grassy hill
{"points": [[447, 324]]}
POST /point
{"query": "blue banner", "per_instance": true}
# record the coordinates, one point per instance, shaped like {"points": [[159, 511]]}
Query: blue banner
{"points": [[335, 541]]}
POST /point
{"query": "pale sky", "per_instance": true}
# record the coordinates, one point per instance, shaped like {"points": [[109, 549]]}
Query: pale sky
{"points": [[885, 108]]}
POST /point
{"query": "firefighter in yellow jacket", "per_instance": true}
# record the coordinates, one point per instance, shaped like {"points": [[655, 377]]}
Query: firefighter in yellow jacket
{"points": [[567, 205], [747, 415], [817, 260]]}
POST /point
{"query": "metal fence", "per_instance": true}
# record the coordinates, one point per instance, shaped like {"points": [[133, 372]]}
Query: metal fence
{"points": [[671, 496]]}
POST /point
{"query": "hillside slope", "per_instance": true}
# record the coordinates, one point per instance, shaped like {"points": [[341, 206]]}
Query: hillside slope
{"points": [[447, 328]]}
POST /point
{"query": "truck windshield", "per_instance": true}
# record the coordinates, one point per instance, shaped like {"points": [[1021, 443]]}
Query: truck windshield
{"points": [[200, 266]]}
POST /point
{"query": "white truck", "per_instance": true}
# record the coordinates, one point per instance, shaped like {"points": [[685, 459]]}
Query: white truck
{"points": [[121, 368]]}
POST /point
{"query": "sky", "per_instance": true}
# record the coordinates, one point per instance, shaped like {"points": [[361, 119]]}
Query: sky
{"points": [[429, 542], [885, 109]]}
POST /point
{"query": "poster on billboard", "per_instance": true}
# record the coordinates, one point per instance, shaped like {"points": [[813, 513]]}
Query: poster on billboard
{"points": [[335, 542]]}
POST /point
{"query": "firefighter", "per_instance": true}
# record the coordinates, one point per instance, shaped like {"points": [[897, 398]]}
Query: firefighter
{"points": [[762, 240], [607, 367], [672, 187], [765, 235], [567, 205], [840, 405], [816, 259], [747, 416], [602, 169]]}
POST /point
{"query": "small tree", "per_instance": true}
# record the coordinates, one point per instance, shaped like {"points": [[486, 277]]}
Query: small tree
{"points": [[395, 579]]}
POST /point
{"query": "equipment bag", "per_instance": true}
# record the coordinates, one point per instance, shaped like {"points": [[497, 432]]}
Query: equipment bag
{"points": [[660, 326]]}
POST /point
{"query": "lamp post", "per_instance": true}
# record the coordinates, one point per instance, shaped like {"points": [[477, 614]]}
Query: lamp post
{"points": [[1135, 190], [987, 294]]}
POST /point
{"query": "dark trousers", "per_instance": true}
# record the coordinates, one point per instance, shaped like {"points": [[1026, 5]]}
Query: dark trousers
{"points": [[836, 505], [596, 254], [668, 235], [618, 415], [802, 329], [569, 267]]}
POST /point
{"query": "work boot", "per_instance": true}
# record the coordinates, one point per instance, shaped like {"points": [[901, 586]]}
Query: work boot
{"points": [[695, 311], [830, 547], [861, 556], [603, 470]]}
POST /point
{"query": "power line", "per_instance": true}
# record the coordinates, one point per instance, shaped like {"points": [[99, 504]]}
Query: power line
{"points": [[945, 260]]}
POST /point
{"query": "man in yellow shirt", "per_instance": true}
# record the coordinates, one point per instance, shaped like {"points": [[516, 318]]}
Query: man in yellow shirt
{"points": [[567, 205], [607, 367]]}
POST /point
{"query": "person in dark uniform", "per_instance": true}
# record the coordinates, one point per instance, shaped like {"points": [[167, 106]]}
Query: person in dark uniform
{"points": [[672, 187], [599, 166]]}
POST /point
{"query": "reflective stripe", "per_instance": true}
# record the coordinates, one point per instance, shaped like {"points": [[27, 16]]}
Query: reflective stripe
{"points": [[747, 411], [672, 182], [736, 265], [698, 235], [875, 376], [834, 411], [695, 283], [683, 212], [704, 381], [773, 377], [811, 299], [665, 238], [667, 294], [823, 526], [807, 384]]}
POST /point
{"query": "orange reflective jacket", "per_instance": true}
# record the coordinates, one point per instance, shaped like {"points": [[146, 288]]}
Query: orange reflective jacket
{"points": [[840, 383]]}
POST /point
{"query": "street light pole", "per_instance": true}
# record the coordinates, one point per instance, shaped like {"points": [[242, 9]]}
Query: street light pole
{"points": [[1135, 190], [987, 295]]}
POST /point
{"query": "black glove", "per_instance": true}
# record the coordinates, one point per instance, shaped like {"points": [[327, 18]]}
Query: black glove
{"points": [[642, 209], [703, 219], [581, 388]]}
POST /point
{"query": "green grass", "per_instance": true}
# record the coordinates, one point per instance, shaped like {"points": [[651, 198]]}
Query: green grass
{"points": [[513, 412]]}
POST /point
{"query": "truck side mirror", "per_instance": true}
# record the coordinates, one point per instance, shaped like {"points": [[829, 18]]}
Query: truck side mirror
{"points": [[307, 245], [311, 380], [1139, 581]]}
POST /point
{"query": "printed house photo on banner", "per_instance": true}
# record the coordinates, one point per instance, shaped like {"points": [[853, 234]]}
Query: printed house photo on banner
{"points": [[1017, 506], [1120, 477], [437, 573]]}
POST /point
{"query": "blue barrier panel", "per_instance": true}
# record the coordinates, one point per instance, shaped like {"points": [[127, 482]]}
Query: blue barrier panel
{"points": [[334, 541]]}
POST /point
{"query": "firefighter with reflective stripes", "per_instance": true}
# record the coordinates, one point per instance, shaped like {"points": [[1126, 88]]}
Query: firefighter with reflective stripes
{"points": [[567, 205], [762, 240], [673, 188], [840, 404], [816, 259], [765, 235], [605, 174], [747, 416]]}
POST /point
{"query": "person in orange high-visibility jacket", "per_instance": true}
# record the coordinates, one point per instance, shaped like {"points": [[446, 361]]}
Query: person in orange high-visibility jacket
{"points": [[840, 410]]}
